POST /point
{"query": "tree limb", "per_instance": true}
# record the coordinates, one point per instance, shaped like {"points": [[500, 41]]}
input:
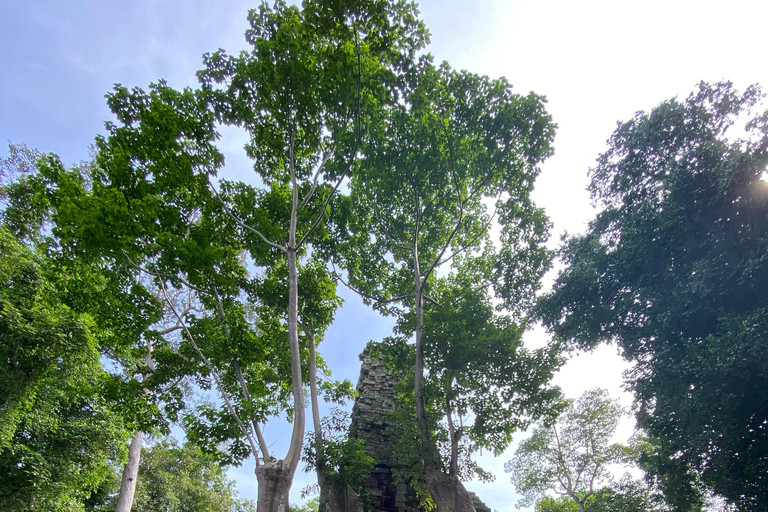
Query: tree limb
{"points": [[215, 374], [240, 222], [352, 157], [306, 199]]}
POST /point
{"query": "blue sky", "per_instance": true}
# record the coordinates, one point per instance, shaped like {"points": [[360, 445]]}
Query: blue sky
{"points": [[597, 62]]}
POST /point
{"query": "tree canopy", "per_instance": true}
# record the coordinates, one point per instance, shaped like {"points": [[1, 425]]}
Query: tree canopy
{"points": [[572, 455], [176, 478], [219, 253], [674, 269]]}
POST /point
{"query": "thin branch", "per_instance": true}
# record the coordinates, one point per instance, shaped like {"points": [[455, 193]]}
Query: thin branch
{"points": [[166, 276], [472, 243], [455, 229], [560, 456], [256, 427], [322, 211], [446, 245], [398, 298], [352, 288], [429, 299], [215, 375], [306, 199], [450, 158], [479, 187], [169, 388], [169, 330], [241, 380], [240, 221], [294, 183], [352, 157]]}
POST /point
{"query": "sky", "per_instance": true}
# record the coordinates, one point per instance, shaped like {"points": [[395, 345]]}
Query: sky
{"points": [[597, 62]]}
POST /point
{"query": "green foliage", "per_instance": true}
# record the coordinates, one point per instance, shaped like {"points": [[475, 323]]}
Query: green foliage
{"points": [[625, 495], [184, 479], [217, 253], [58, 434], [455, 139], [479, 369], [673, 268], [18, 212], [572, 455], [344, 460], [175, 478], [310, 506], [561, 504]]}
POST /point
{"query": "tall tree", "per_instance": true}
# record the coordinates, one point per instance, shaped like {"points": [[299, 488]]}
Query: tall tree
{"points": [[454, 141], [674, 269], [303, 95], [159, 209], [572, 455]]}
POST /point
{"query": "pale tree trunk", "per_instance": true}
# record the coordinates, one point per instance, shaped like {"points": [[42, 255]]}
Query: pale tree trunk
{"points": [[275, 478], [453, 434], [447, 491], [315, 408], [274, 483], [130, 474], [333, 497], [131, 469]]}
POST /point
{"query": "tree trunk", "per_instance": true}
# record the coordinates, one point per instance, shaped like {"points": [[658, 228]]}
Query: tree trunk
{"points": [[131, 469], [453, 435], [297, 435], [274, 483], [418, 378], [336, 497], [448, 493], [130, 473]]}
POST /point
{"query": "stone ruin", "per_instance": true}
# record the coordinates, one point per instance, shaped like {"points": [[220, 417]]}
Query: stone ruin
{"points": [[375, 403]]}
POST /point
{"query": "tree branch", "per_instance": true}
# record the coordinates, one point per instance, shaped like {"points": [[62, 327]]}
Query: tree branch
{"points": [[166, 276], [169, 388], [214, 374], [240, 222], [352, 157], [169, 330], [472, 243], [241, 381], [306, 199]]}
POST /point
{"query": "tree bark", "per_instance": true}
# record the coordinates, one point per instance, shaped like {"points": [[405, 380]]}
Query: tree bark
{"points": [[418, 379], [131, 469], [448, 493], [130, 474], [299, 414], [453, 434], [274, 483], [336, 497]]}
